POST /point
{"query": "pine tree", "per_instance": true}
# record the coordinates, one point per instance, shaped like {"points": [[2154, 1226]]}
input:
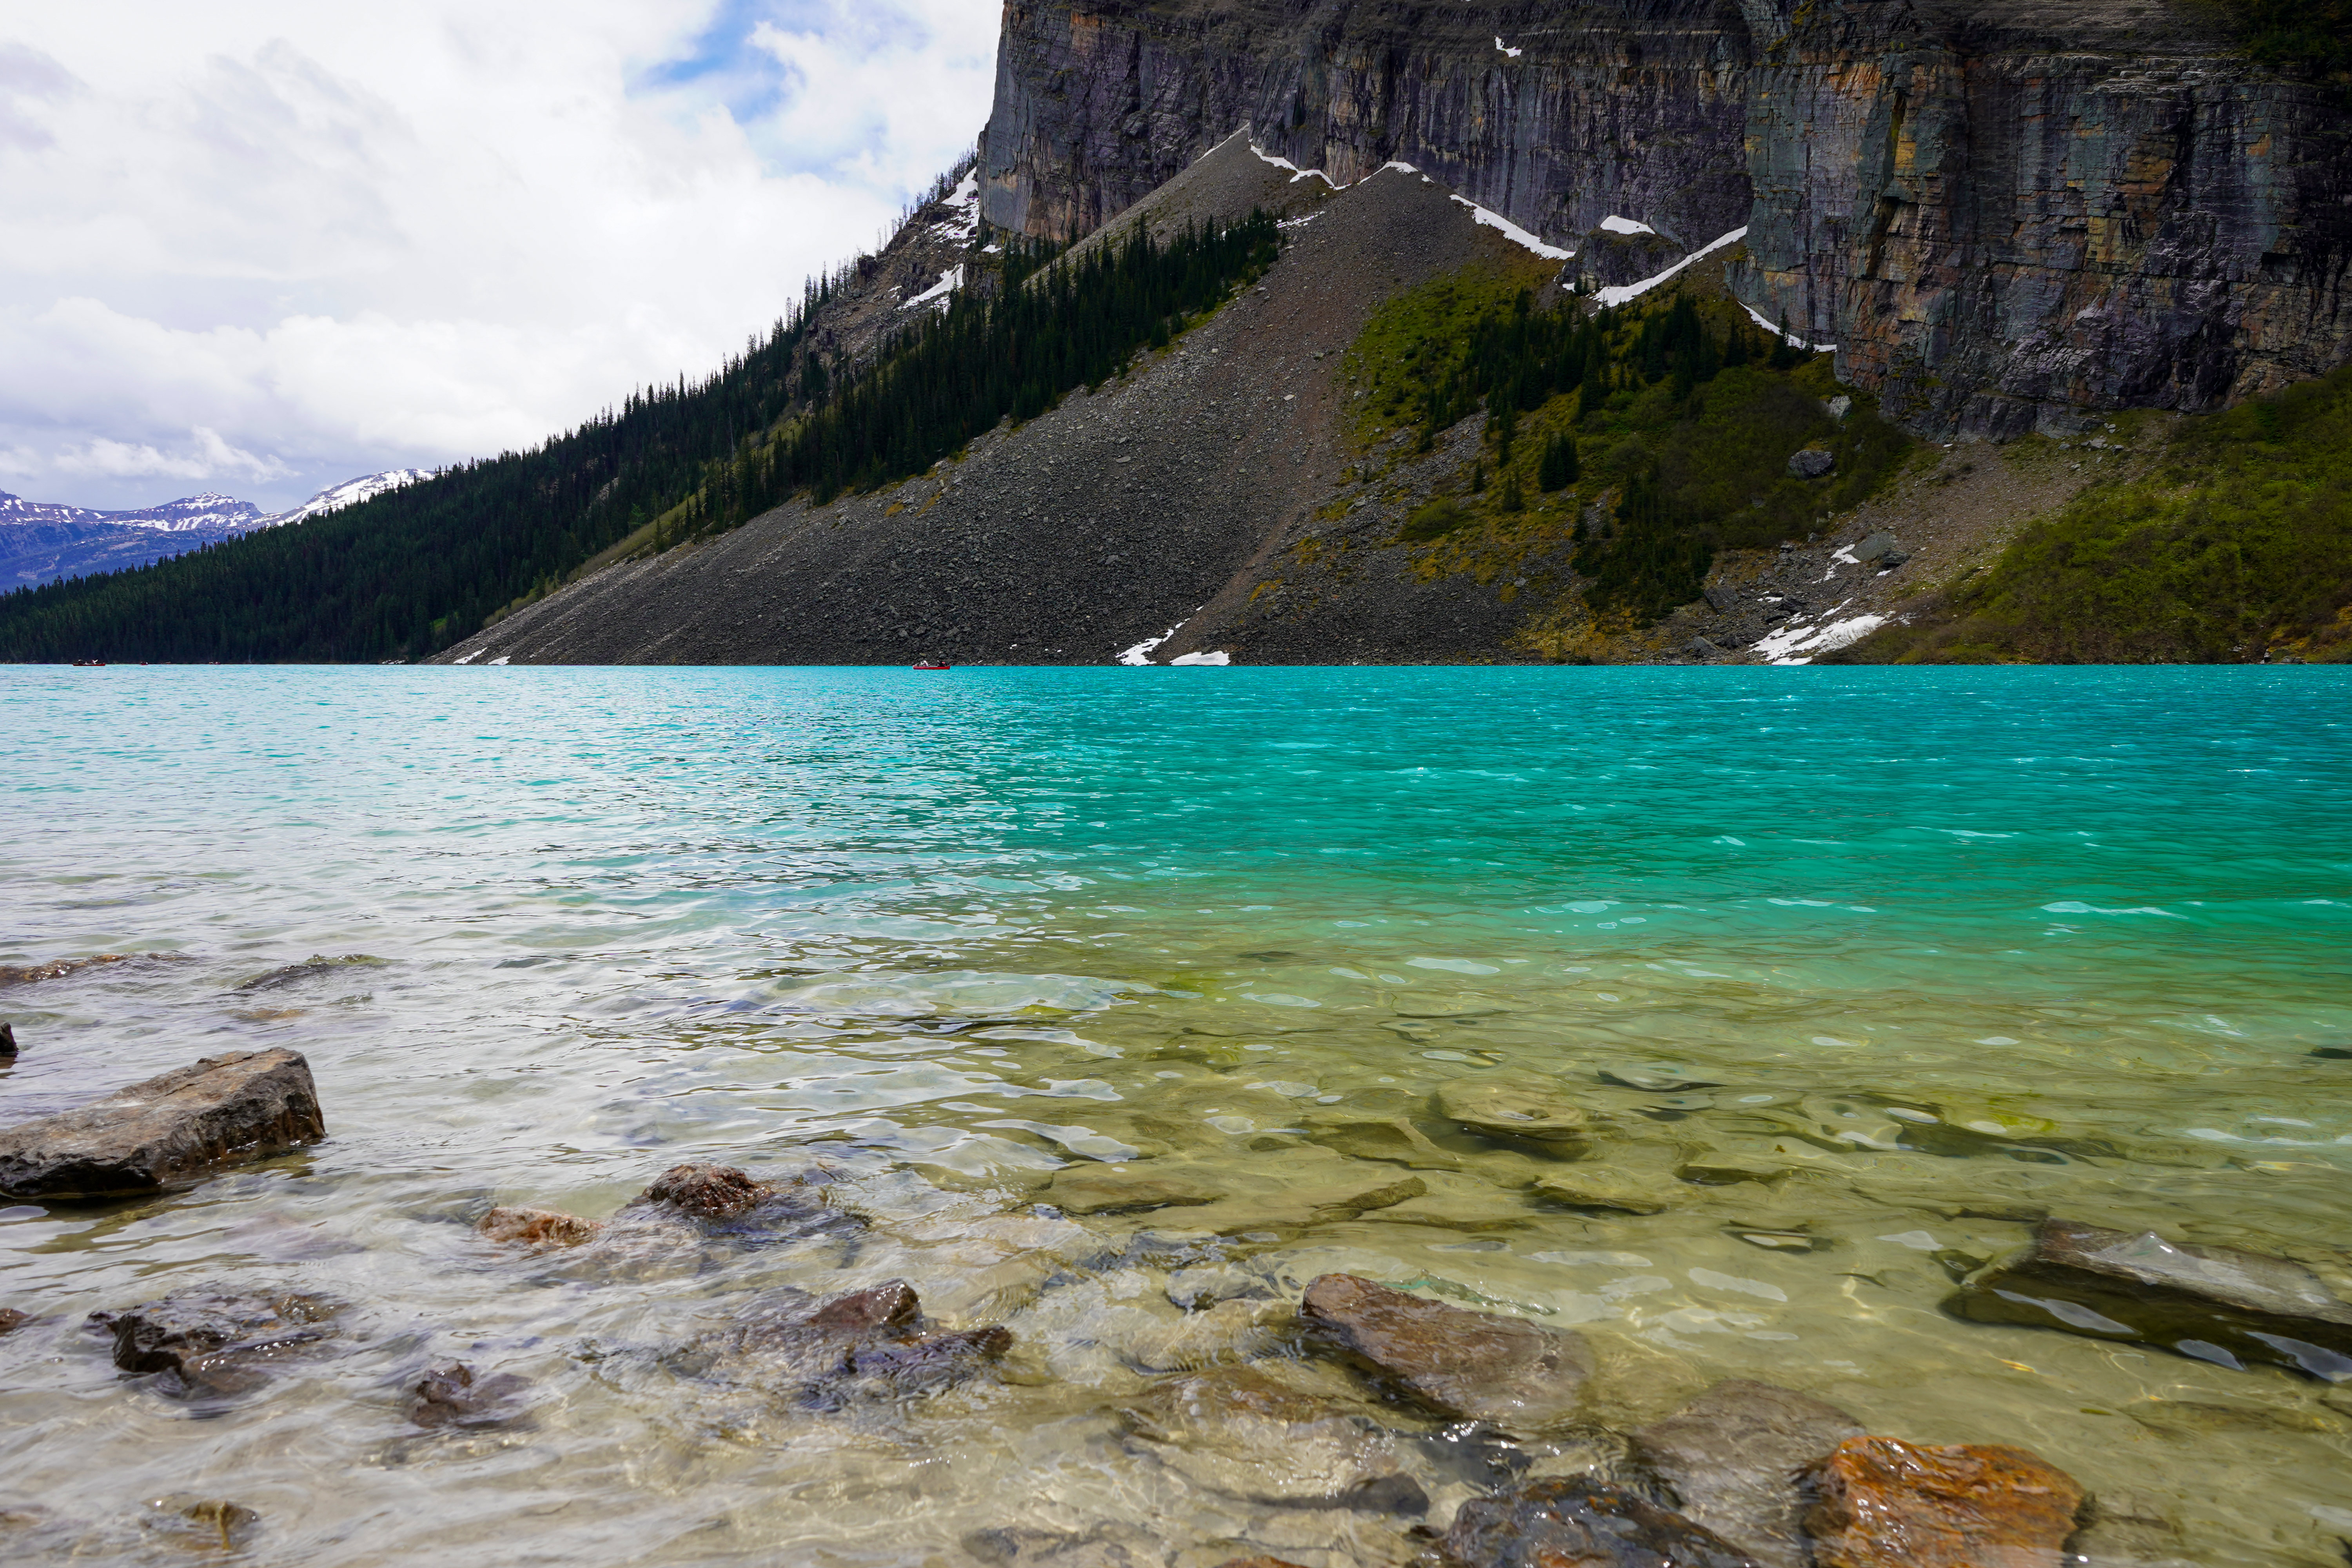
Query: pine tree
{"points": [[1559, 468]]}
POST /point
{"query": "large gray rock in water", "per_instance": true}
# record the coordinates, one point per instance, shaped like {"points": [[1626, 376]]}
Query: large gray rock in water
{"points": [[2212, 1303], [241, 1106], [1473, 1365], [1580, 1522], [1731, 1457]]}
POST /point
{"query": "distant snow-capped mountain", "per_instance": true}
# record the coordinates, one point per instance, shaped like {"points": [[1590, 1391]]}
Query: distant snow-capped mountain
{"points": [[334, 498], [41, 542], [214, 515]]}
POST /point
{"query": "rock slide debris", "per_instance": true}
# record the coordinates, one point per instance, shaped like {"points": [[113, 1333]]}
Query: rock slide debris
{"points": [[242, 1106]]}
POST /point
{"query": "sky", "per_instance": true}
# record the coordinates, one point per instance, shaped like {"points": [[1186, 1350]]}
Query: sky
{"points": [[257, 247]]}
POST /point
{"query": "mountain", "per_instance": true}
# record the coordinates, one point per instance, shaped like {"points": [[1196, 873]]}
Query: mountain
{"points": [[42, 542], [1659, 330]]}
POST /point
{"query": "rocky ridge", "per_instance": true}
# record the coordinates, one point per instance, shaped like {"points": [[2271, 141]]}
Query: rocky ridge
{"points": [[2005, 215]]}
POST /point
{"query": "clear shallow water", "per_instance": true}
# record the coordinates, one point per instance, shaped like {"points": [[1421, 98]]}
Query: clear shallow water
{"points": [[944, 935]]}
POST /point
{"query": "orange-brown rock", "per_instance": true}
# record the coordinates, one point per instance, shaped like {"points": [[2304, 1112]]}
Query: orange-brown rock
{"points": [[1885, 1503], [538, 1227]]}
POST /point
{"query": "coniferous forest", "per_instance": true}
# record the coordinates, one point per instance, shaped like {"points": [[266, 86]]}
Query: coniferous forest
{"points": [[411, 571]]}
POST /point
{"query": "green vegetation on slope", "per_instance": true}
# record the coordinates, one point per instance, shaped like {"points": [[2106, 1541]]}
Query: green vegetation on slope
{"points": [[955, 374], [409, 573], [2304, 38], [1673, 409], [2239, 542]]}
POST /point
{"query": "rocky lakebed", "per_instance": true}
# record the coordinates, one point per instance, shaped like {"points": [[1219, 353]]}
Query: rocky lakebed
{"points": [[1197, 1328]]}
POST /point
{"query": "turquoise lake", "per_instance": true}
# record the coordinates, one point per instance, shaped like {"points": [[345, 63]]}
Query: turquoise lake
{"points": [[944, 937]]}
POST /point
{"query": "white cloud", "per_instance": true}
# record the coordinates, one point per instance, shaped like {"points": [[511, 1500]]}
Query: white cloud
{"points": [[280, 244]]}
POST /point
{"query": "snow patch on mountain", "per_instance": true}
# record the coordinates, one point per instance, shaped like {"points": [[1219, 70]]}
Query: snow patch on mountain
{"points": [[351, 492]]}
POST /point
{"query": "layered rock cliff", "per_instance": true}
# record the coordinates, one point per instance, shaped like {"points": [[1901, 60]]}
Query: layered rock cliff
{"points": [[2005, 214]]}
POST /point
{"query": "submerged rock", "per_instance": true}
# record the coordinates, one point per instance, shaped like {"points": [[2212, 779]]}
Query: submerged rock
{"points": [[538, 1227], [12, 1319], [1240, 1432], [1716, 1170], [1542, 1117], [1390, 1139], [670, 1224], [55, 969], [310, 968], [453, 1395], [1104, 1546], [1732, 1457], [210, 1341], [1656, 1077], [2214, 1304], [1472, 1365], [864, 1344], [1126, 1189], [1885, 1503], [241, 1106], [1580, 1522], [1583, 1188], [204, 1523], [707, 1192]]}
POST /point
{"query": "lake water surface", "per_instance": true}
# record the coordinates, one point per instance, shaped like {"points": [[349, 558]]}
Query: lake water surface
{"points": [[941, 936]]}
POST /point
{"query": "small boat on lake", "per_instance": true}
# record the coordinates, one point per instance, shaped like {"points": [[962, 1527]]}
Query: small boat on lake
{"points": [[89, 664], [933, 664]]}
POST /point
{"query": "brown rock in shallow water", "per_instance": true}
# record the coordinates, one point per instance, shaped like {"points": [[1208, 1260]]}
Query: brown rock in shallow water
{"points": [[1885, 1503], [209, 1523], [1732, 1458], [240, 1106], [2212, 1303], [55, 969], [538, 1227], [708, 1192], [453, 1397], [12, 1319], [210, 1341], [7, 1041], [1580, 1522], [860, 1345], [1476, 1365]]}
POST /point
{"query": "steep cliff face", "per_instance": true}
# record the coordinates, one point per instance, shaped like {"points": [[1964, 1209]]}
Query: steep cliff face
{"points": [[2004, 213], [1555, 116]]}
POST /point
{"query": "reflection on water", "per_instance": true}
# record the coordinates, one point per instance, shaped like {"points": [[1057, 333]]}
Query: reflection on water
{"points": [[1848, 975]]}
